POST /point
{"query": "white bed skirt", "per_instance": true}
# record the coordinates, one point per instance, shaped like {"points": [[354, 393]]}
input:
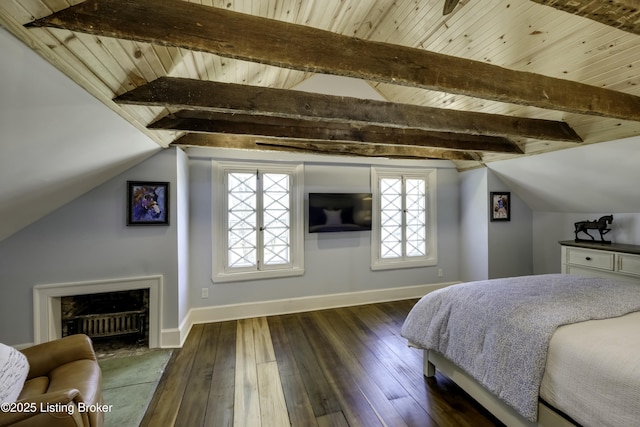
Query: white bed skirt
{"points": [[547, 417]]}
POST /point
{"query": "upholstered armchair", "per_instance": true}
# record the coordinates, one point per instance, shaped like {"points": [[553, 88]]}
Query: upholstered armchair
{"points": [[63, 386]]}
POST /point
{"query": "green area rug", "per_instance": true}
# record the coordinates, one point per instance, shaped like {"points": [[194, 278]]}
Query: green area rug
{"points": [[128, 383]]}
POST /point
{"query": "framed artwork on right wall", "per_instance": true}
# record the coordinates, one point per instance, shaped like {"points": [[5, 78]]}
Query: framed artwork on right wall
{"points": [[499, 201]]}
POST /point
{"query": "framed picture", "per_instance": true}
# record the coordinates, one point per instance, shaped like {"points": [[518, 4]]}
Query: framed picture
{"points": [[147, 203], [500, 206]]}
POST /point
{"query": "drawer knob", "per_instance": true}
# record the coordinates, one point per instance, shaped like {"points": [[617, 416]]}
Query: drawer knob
{"points": [[588, 258]]}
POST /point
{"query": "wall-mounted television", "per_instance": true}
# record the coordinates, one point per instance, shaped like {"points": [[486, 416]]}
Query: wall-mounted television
{"points": [[334, 212]]}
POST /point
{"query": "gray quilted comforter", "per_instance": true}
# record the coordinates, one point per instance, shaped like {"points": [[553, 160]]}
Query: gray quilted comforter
{"points": [[499, 330]]}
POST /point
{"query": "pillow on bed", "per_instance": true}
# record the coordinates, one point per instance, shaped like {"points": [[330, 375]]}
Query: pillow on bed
{"points": [[14, 368]]}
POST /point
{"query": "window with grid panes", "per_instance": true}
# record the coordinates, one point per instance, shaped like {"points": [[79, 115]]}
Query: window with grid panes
{"points": [[257, 221], [404, 218]]}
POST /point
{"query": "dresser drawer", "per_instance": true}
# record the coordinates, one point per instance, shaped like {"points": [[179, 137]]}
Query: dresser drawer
{"points": [[629, 264], [593, 259]]}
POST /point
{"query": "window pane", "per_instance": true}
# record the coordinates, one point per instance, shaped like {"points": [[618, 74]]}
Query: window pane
{"points": [[404, 221], [242, 236], [416, 217], [390, 218], [276, 219]]}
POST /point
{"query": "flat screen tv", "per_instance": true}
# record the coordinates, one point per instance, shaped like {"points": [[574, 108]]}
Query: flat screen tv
{"points": [[334, 212]]}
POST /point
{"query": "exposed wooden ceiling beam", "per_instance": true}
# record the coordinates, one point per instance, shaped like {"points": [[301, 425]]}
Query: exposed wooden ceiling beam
{"points": [[226, 33], [248, 142], [278, 127], [621, 14], [225, 97]]}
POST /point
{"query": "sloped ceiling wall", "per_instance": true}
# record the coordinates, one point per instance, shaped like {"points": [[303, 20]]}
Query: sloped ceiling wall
{"points": [[56, 140], [590, 179], [339, 86]]}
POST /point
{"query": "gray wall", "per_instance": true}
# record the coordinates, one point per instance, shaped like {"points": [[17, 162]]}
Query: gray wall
{"points": [[57, 141], [581, 183], [87, 239], [510, 243], [552, 227], [495, 249], [334, 262], [592, 178], [474, 233]]}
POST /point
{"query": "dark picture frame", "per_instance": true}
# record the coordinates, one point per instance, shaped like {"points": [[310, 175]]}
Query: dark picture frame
{"points": [[147, 203], [500, 206]]}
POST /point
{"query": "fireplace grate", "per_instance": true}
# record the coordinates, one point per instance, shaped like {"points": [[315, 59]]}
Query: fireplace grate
{"points": [[109, 324]]}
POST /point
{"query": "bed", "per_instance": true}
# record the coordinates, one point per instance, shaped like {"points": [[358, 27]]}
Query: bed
{"points": [[544, 350]]}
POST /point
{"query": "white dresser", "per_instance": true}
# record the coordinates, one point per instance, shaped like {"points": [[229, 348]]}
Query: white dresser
{"points": [[611, 260]]}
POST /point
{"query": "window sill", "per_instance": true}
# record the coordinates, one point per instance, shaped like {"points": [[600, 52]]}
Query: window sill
{"points": [[394, 265], [255, 275]]}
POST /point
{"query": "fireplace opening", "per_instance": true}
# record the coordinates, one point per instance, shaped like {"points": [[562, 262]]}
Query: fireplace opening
{"points": [[115, 321]]}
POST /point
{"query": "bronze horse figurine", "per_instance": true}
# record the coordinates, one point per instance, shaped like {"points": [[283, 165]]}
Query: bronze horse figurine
{"points": [[600, 225]]}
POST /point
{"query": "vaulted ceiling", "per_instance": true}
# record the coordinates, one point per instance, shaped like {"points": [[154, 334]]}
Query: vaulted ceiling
{"points": [[490, 80]]}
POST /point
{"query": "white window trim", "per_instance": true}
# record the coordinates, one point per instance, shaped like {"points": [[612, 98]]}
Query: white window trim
{"points": [[220, 273], [431, 257]]}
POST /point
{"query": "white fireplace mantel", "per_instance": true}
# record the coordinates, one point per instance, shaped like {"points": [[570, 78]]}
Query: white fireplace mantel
{"points": [[47, 316]]}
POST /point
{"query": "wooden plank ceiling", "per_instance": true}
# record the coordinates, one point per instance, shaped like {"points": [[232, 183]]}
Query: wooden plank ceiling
{"points": [[489, 80]]}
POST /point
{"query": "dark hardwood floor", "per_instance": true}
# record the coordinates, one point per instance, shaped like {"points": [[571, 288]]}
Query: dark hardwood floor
{"points": [[338, 367]]}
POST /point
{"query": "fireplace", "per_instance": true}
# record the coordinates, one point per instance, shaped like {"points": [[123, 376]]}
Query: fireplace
{"points": [[108, 315], [102, 309]]}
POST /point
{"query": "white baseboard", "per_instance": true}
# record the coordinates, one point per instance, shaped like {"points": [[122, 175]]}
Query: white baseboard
{"points": [[176, 337], [171, 338]]}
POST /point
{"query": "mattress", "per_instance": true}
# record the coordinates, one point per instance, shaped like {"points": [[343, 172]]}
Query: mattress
{"points": [[498, 331], [592, 372]]}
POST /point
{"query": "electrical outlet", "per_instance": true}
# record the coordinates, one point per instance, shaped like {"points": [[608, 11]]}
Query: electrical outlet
{"points": [[440, 272], [205, 292]]}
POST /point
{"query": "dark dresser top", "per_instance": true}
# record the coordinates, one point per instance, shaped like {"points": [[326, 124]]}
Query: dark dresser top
{"points": [[614, 247]]}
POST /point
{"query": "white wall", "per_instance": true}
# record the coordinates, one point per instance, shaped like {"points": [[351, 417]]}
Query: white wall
{"points": [[182, 199], [335, 263]]}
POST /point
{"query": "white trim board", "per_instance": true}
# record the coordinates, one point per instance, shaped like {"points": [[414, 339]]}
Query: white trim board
{"points": [[47, 324], [299, 305]]}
